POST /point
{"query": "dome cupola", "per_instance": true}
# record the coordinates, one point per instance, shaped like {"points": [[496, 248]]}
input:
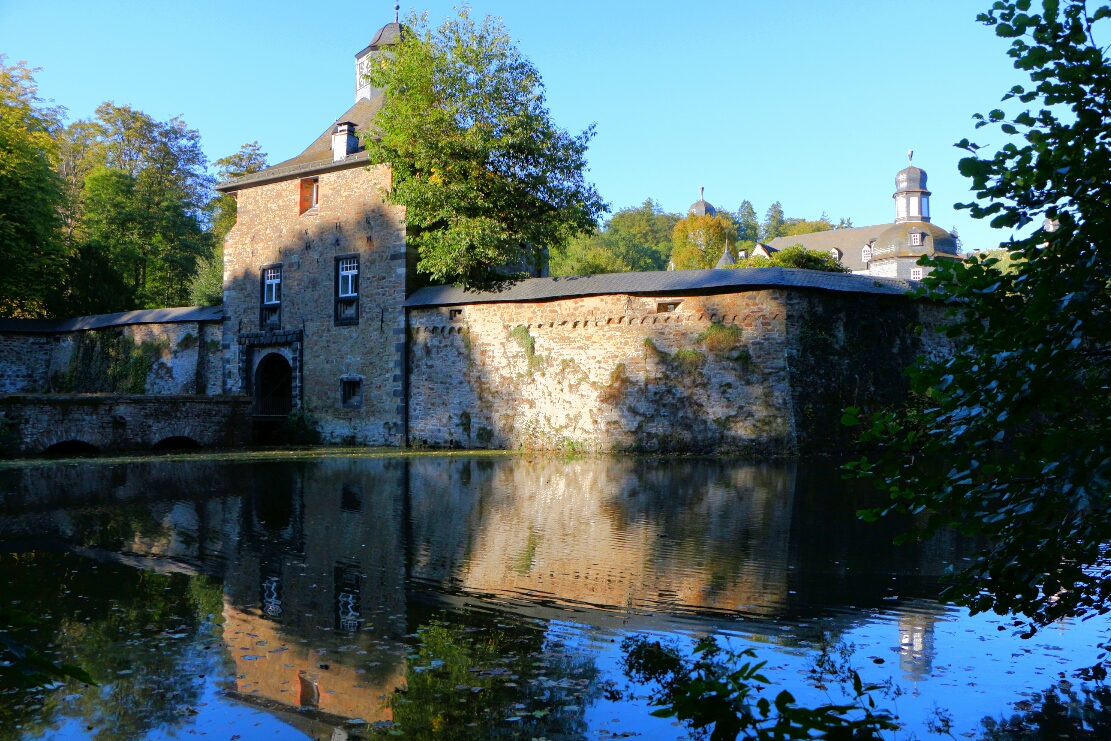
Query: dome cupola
{"points": [[912, 199], [387, 35], [701, 207]]}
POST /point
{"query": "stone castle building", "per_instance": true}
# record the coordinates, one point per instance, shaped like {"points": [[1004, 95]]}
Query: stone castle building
{"points": [[887, 250], [323, 314]]}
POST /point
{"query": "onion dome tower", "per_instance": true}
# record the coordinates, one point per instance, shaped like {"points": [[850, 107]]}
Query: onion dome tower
{"points": [[701, 207], [912, 199]]}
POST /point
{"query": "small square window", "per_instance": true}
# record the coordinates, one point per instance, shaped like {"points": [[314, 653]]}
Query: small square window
{"points": [[916, 239], [310, 194], [351, 392], [665, 308], [916, 273], [454, 314]]}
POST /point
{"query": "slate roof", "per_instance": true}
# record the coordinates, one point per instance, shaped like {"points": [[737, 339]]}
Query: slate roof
{"points": [[849, 241], [663, 282], [387, 36], [317, 157], [174, 315]]}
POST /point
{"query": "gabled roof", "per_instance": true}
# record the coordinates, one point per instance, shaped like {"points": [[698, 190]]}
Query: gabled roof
{"points": [[849, 241], [662, 282], [175, 315], [317, 157]]}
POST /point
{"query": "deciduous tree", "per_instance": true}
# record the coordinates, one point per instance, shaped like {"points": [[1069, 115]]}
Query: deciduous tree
{"points": [[487, 178], [31, 194], [1021, 414]]}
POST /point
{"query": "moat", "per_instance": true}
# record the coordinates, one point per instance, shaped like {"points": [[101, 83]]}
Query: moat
{"points": [[453, 596]]}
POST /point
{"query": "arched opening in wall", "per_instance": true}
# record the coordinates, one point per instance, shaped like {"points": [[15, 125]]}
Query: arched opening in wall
{"points": [[177, 442], [273, 387], [72, 447]]}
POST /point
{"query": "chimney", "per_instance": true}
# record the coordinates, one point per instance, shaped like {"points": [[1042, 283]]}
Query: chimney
{"points": [[344, 141]]}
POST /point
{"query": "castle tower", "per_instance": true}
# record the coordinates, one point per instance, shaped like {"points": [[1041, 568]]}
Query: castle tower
{"points": [[387, 35], [912, 200]]}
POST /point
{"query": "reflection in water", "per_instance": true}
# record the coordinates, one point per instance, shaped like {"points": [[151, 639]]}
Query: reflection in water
{"points": [[415, 595]]}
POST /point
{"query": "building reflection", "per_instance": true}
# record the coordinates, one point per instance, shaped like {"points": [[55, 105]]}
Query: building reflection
{"points": [[322, 562]]}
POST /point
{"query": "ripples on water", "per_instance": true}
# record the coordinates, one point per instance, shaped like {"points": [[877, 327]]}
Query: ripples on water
{"points": [[462, 597]]}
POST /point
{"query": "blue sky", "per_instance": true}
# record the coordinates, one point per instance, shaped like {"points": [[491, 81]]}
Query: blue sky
{"points": [[810, 103]]}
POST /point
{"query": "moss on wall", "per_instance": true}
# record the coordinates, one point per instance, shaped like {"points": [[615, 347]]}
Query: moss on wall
{"points": [[108, 361], [847, 351]]}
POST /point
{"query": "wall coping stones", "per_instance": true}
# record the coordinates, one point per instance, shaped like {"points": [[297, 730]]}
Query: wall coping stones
{"points": [[664, 282], [174, 315], [96, 399]]}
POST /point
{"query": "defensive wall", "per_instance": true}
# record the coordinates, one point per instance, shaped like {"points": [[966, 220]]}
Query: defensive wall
{"points": [[151, 351], [746, 361]]}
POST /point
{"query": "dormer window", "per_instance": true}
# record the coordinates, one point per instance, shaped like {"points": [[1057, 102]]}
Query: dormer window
{"points": [[310, 194], [866, 253], [835, 254], [916, 239]]}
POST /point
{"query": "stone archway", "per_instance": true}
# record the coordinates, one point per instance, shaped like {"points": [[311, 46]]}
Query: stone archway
{"points": [[273, 386]]}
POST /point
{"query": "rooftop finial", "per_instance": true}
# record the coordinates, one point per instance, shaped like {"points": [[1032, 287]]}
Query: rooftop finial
{"points": [[702, 192], [396, 12], [910, 155]]}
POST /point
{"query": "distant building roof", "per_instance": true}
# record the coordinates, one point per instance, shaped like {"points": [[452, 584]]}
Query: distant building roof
{"points": [[726, 260], [176, 315], [387, 36], [664, 282], [317, 157], [849, 241]]}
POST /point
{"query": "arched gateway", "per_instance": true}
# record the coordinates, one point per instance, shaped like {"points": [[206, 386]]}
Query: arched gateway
{"points": [[273, 387]]}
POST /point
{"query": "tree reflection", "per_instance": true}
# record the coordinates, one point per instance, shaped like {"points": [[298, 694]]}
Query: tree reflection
{"points": [[472, 677], [134, 631], [1060, 712]]}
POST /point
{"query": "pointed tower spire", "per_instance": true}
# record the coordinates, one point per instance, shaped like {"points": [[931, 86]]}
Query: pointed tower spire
{"points": [[396, 12]]}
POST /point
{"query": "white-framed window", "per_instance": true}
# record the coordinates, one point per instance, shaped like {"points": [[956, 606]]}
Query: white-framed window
{"points": [[916, 273], [272, 286], [916, 239], [348, 277], [835, 254], [866, 253]]}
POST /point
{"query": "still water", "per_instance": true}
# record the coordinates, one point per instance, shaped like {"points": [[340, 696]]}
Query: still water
{"points": [[475, 597]]}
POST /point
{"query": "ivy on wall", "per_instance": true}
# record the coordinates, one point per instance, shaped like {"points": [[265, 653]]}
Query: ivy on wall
{"points": [[108, 362]]}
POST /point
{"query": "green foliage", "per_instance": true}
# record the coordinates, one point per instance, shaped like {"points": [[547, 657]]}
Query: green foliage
{"points": [[108, 361], [139, 191], [635, 239], [687, 360], [699, 241], [487, 178], [720, 338], [456, 686], [299, 428], [31, 195], [527, 342], [773, 222], [1020, 414], [748, 226], [795, 256], [725, 689]]}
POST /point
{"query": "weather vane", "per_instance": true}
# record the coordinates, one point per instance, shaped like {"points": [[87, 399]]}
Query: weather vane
{"points": [[702, 192], [396, 12], [910, 155]]}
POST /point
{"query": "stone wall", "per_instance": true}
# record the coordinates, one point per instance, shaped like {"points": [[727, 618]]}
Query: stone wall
{"points": [[757, 372], [184, 357], [32, 423], [351, 219]]}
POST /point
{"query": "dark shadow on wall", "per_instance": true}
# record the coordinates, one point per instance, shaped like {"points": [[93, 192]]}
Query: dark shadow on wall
{"points": [[71, 447], [176, 442]]}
